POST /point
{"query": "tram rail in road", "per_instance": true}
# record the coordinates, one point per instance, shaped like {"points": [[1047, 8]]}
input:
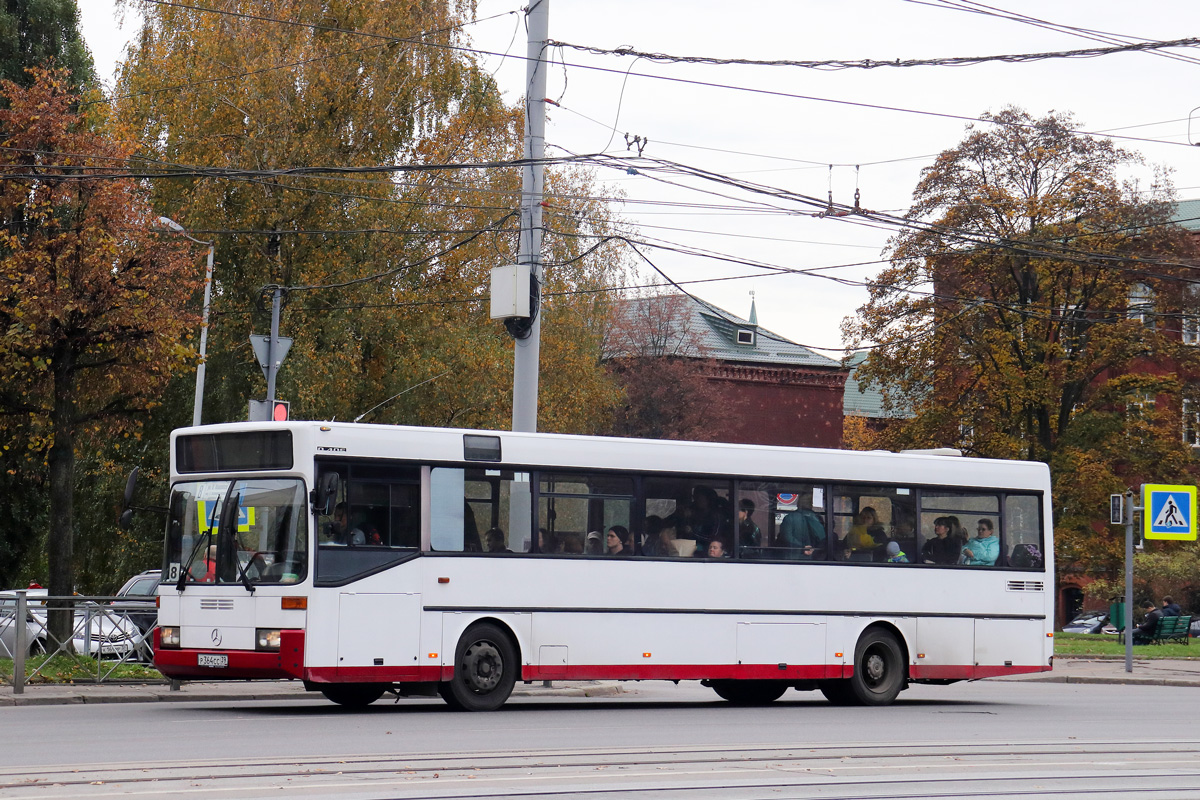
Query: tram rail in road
{"points": [[1109, 768]]}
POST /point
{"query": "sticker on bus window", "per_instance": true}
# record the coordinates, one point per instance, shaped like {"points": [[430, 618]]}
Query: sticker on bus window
{"points": [[206, 522], [818, 497], [786, 501], [173, 572]]}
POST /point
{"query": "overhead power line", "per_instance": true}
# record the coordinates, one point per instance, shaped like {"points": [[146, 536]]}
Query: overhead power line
{"points": [[868, 63]]}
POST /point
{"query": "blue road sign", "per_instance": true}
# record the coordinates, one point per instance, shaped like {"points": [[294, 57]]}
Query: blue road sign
{"points": [[1170, 511]]}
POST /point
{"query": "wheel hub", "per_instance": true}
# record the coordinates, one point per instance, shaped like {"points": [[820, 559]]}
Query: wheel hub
{"points": [[875, 667], [482, 666]]}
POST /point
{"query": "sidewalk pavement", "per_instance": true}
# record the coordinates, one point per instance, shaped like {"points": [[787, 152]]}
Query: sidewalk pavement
{"points": [[1154, 672]]}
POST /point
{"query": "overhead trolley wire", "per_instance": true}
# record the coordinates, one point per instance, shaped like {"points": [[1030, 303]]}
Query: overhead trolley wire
{"points": [[867, 63]]}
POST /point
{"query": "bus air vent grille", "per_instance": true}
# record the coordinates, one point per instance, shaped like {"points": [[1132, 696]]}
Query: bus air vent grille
{"points": [[1026, 586], [218, 603]]}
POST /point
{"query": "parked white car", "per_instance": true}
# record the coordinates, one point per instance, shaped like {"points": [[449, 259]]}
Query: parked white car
{"points": [[96, 630]]}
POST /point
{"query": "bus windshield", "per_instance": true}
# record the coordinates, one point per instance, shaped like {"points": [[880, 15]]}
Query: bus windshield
{"points": [[264, 540]]}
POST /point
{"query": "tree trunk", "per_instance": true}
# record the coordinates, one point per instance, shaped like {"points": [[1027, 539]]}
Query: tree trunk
{"points": [[61, 541]]}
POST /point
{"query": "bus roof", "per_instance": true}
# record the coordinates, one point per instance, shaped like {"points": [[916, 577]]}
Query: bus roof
{"points": [[567, 451]]}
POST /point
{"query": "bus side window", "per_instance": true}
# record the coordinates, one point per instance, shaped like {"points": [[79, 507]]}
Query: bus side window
{"points": [[1023, 532]]}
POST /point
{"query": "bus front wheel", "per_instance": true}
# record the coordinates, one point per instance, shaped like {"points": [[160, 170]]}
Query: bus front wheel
{"points": [[749, 693], [485, 670], [879, 672]]}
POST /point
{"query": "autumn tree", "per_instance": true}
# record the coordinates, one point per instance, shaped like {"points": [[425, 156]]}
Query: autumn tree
{"points": [[93, 305], [655, 351], [388, 258], [1005, 322], [33, 33]]}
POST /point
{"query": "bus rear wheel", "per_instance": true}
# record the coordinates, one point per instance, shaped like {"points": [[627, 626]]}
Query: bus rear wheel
{"points": [[353, 695], [749, 693], [485, 670]]}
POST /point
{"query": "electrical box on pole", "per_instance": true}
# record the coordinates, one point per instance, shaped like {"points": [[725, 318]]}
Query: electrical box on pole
{"points": [[510, 291]]}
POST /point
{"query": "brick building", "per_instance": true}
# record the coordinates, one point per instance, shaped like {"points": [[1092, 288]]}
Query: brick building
{"points": [[782, 392]]}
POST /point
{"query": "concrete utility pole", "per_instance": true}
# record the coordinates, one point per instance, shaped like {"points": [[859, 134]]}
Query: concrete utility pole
{"points": [[1129, 519], [528, 350]]}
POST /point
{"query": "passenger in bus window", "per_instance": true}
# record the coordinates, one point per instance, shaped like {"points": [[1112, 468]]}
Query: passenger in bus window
{"points": [[495, 541], [571, 545], [861, 538], [593, 545], [618, 541], [942, 548], [716, 549], [749, 534], [705, 519], [895, 555], [210, 565], [982, 550], [661, 541], [802, 532], [548, 542]]}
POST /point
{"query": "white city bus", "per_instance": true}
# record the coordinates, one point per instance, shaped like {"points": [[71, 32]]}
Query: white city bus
{"points": [[362, 559]]}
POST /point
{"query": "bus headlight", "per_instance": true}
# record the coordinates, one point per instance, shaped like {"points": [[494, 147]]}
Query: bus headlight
{"points": [[168, 637], [266, 639]]}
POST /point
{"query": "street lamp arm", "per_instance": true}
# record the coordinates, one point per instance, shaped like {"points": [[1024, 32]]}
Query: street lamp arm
{"points": [[175, 227]]}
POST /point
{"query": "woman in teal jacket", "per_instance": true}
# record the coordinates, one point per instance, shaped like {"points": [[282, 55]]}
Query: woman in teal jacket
{"points": [[984, 548]]}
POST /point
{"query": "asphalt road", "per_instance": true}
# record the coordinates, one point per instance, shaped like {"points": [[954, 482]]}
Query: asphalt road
{"points": [[987, 739]]}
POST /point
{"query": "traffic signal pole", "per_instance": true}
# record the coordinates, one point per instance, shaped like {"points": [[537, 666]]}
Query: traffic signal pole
{"points": [[273, 346], [527, 351]]}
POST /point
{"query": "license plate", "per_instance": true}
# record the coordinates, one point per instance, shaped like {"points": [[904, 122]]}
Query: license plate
{"points": [[212, 660]]}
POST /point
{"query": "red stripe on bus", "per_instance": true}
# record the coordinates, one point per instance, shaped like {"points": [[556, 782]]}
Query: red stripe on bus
{"points": [[182, 664]]}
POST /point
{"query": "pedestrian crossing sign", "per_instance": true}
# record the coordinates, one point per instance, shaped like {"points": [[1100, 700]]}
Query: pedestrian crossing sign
{"points": [[1170, 512]]}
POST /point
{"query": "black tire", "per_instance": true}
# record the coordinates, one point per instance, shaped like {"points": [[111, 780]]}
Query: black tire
{"points": [[879, 669], [749, 693], [353, 695], [485, 670], [837, 692], [36, 648]]}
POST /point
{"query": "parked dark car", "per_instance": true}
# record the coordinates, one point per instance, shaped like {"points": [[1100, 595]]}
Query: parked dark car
{"points": [[141, 591], [1088, 622]]}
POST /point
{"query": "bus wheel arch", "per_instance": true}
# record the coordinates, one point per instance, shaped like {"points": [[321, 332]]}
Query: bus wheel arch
{"points": [[880, 669], [487, 663]]}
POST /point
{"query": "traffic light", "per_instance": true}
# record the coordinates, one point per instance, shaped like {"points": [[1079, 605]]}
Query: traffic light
{"points": [[263, 411]]}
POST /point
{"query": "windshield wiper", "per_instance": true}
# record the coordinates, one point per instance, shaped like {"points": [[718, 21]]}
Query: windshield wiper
{"points": [[229, 512], [187, 567]]}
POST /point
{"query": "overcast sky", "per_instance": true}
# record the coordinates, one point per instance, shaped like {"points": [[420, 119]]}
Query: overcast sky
{"points": [[789, 141]]}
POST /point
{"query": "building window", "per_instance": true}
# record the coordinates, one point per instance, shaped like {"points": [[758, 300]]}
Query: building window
{"points": [[1190, 330], [1191, 423], [1141, 304], [745, 337]]}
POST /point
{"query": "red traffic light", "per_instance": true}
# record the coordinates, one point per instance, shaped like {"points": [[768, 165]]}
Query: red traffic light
{"points": [[279, 411]]}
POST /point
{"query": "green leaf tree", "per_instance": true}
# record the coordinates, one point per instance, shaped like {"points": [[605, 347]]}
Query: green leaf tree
{"points": [[39, 33], [388, 267]]}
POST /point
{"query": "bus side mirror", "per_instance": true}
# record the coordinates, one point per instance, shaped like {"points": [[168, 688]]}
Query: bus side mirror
{"points": [[127, 515], [326, 494], [130, 485]]}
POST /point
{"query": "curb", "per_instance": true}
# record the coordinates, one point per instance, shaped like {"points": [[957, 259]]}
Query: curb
{"points": [[89, 696]]}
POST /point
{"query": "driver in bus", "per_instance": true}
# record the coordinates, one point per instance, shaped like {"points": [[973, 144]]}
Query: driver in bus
{"points": [[340, 531]]}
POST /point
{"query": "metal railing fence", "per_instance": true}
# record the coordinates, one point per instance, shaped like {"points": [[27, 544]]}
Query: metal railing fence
{"points": [[105, 633]]}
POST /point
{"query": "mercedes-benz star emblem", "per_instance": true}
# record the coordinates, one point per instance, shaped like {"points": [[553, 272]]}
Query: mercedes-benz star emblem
{"points": [[216, 636]]}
